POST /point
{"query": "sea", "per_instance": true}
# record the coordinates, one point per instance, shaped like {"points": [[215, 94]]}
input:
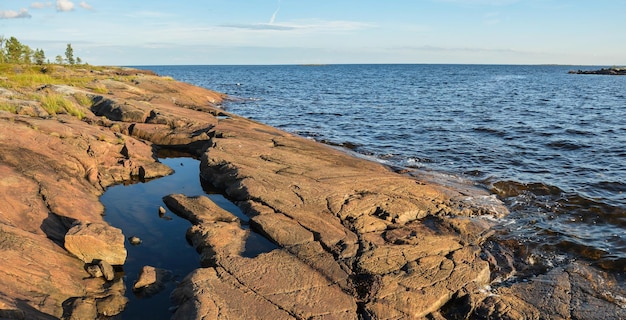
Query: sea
{"points": [[550, 145]]}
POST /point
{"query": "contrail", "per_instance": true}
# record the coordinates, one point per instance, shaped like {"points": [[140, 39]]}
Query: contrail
{"points": [[275, 13]]}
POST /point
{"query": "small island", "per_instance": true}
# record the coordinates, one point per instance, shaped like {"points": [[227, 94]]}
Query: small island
{"points": [[613, 71]]}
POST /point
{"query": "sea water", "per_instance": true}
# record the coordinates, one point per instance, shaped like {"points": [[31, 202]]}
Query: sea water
{"points": [[551, 145]]}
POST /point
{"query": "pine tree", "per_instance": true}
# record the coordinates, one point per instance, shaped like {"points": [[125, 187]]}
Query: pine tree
{"points": [[27, 55], [39, 56], [69, 54], [13, 50]]}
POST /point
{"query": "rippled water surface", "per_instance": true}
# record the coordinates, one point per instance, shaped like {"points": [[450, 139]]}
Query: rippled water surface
{"points": [[551, 144]]}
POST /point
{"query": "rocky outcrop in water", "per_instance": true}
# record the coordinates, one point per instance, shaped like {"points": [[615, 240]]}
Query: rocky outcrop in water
{"points": [[604, 71], [354, 239], [151, 281]]}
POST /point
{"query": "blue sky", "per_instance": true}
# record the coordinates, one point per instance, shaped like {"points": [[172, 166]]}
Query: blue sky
{"points": [[133, 32]]}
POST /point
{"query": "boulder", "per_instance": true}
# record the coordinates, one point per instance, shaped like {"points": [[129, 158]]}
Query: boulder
{"points": [[151, 281], [96, 241]]}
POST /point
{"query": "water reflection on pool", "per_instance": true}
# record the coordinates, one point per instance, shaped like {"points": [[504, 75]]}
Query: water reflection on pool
{"points": [[134, 208]]}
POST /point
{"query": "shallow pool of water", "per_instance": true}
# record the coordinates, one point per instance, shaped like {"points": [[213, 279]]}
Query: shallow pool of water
{"points": [[134, 208]]}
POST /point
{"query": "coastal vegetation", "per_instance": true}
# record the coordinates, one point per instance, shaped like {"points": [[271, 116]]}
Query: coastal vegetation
{"points": [[31, 84], [14, 52]]}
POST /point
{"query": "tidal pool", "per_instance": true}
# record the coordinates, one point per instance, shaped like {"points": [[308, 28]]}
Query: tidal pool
{"points": [[134, 208]]}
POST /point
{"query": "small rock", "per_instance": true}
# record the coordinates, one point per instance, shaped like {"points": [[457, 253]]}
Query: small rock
{"points": [[151, 281], [107, 270], [161, 211], [135, 241], [94, 270]]}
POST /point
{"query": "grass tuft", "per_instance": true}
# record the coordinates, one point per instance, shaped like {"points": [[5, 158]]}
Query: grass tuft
{"points": [[8, 107], [56, 103], [82, 99], [99, 88]]}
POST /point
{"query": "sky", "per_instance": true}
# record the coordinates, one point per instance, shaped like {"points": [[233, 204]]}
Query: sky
{"points": [[218, 32]]}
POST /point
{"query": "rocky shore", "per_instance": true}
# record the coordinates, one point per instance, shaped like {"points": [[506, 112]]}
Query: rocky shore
{"points": [[356, 239]]}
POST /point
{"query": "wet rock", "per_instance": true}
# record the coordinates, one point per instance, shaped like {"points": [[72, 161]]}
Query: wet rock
{"points": [[135, 241], [161, 211], [151, 281], [96, 241]]}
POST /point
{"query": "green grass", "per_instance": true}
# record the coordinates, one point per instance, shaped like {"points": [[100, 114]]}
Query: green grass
{"points": [[83, 100], [8, 107], [56, 103], [31, 76], [99, 88]]}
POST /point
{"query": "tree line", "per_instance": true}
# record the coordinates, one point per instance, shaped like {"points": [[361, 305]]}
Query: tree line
{"points": [[13, 51]]}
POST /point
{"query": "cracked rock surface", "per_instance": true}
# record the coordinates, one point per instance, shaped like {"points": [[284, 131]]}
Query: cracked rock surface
{"points": [[354, 239]]}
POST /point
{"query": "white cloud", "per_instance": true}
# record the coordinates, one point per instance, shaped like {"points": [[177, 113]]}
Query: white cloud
{"points": [[41, 5], [10, 14], [310, 25], [65, 5], [85, 5]]}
